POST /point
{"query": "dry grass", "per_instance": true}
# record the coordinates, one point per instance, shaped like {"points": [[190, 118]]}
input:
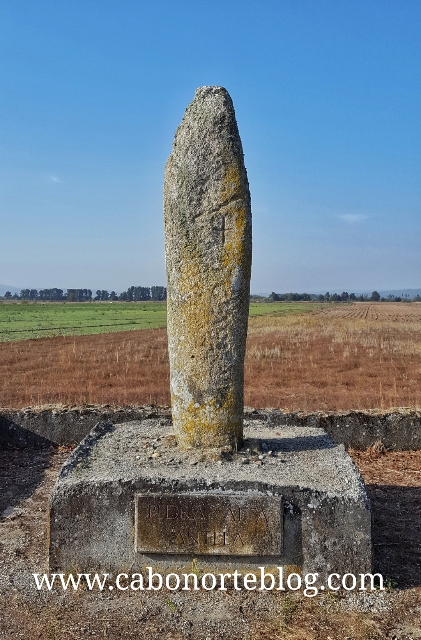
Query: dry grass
{"points": [[362, 356], [124, 368], [348, 357]]}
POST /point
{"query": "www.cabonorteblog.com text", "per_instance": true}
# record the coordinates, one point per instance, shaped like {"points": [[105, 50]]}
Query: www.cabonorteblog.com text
{"points": [[261, 580]]}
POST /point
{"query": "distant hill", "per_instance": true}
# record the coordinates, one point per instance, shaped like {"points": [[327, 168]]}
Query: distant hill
{"points": [[8, 287]]}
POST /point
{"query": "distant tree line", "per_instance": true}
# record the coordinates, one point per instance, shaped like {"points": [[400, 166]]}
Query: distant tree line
{"points": [[336, 297], [291, 297], [139, 294], [43, 294], [345, 297], [133, 294], [158, 294]]}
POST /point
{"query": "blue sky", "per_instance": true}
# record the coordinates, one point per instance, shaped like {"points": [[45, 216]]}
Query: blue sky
{"points": [[328, 103]]}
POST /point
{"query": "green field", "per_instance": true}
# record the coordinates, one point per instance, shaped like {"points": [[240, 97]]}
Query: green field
{"points": [[282, 308], [24, 320], [20, 321]]}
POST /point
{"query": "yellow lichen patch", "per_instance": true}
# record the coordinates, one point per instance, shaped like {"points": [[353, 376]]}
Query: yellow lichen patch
{"points": [[208, 424], [231, 184], [194, 311], [233, 254]]}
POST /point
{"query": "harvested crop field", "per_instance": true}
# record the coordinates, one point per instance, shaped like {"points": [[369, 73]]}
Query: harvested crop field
{"points": [[337, 357], [358, 356], [384, 311]]}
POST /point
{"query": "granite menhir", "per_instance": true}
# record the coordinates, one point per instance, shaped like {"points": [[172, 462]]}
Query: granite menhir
{"points": [[207, 215]]}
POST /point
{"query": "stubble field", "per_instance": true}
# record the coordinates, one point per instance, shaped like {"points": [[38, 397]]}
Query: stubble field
{"points": [[321, 357]]}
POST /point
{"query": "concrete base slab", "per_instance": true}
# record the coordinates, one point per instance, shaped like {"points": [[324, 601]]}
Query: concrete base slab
{"points": [[128, 498]]}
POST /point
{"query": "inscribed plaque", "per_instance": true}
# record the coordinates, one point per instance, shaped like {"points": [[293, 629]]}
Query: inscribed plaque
{"points": [[209, 524]]}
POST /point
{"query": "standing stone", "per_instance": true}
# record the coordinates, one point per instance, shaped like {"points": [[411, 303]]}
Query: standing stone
{"points": [[117, 506], [207, 217]]}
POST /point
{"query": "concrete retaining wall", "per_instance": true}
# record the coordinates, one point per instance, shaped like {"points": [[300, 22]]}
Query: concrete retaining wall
{"points": [[41, 427], [38, 427], [398, 431]]}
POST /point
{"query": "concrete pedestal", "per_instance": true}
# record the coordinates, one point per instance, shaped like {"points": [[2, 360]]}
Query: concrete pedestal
{"points": [[128, 498]]}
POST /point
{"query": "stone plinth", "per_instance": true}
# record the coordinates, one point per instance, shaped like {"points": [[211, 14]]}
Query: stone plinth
{"points": [[128, 498]]}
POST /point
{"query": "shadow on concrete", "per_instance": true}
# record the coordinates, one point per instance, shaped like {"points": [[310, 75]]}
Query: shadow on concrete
{"points": [[13, 436], [305, 443], [397, 533], [21, 472]]}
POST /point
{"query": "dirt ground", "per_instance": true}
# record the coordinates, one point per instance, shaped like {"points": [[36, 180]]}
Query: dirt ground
{"points": [[394, 485]]}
